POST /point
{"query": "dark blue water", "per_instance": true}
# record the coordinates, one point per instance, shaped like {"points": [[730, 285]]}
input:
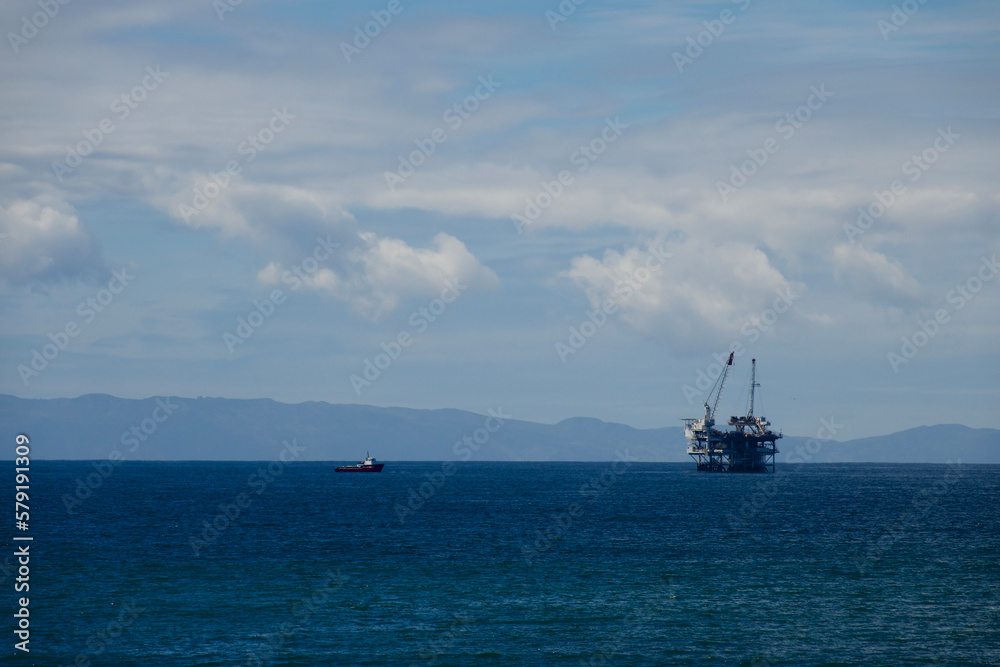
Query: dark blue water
{"points": [[512, 564]]}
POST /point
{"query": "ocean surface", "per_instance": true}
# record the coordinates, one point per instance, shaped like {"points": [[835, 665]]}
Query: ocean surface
{"points": [[508, 564]]}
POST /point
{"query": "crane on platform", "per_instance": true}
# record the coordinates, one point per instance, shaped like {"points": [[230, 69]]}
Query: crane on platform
{"points": [[716, 391]]}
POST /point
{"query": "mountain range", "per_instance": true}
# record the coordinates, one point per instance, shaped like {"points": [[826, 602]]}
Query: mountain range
{"points": [[95, 426]]}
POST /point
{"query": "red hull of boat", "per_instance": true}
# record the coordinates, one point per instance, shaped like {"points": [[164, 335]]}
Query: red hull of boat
{"points": [[375, 468]]}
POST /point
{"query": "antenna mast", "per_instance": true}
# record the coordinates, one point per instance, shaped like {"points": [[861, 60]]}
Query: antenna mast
{"points": [[753, 384]]}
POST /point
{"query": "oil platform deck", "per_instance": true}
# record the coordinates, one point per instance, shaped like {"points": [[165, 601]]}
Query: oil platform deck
{"points": [[749, 447]]}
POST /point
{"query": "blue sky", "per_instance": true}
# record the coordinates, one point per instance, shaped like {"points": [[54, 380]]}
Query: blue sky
{"points": [[823, 106]]}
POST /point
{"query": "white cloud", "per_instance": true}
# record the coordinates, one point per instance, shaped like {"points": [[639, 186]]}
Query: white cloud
{"points": [[702, 295], [42, 240], [376, 276], [282, 220], [874, 276]]}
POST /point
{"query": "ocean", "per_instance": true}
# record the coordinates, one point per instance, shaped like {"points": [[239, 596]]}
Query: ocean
{"points": [[482, 563]]}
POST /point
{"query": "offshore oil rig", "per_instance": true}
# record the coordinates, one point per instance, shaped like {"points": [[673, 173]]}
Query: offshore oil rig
{"points": [[749, 447]]}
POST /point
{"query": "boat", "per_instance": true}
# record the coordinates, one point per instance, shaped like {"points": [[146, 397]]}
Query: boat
{"points": [[368, 465]]}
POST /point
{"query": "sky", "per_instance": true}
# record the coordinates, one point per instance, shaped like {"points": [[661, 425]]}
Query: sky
{"points": [[561, 209]]}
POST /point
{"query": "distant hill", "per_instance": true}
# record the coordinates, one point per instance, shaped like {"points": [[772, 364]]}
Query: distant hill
{"points": [[217, 429], [923, 444]]}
